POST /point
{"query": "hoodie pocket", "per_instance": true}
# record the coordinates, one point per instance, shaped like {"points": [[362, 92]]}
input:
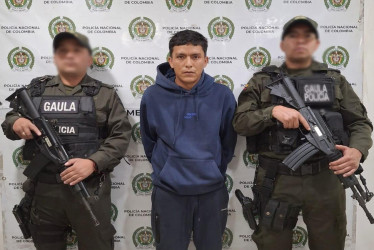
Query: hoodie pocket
{"points": [[190, 176]]}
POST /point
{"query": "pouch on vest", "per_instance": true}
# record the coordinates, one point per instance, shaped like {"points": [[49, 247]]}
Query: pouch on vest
{"points": [[283, 140], [334, 120], [251, 142]]}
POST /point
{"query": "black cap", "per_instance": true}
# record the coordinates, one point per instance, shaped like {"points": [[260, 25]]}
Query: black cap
{"points": [[297, 20], [82, 39]]}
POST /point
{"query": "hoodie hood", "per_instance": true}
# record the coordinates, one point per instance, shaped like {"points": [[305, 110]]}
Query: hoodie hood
{"points": [[166, 79]]}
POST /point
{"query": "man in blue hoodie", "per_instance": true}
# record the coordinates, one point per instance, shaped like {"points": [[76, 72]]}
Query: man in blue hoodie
{"points": [[186, 130]]}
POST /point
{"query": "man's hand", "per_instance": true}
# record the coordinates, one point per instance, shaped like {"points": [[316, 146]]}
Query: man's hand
{"points": [[349, 163], [78, 170], [23, 128], [290, 118]]}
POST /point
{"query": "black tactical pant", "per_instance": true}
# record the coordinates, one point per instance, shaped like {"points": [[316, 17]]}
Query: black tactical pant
{"points": [[174, 217], [322, 201], [56, 210]]}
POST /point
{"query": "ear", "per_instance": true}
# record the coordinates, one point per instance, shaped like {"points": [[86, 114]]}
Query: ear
{"points": [[90, 61], [170, 60], [206, 61]]}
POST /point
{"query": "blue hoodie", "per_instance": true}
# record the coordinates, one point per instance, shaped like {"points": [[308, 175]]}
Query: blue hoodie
{"points": [[187, 135]]}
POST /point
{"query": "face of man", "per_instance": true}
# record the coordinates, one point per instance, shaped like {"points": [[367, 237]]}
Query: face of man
{"points": [[188, 62], [71, 58], [299, 44]]}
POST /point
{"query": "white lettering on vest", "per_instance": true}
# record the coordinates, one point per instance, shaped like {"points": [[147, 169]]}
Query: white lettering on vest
{"points": [[316, 93], [59, 106], [66, 130]]}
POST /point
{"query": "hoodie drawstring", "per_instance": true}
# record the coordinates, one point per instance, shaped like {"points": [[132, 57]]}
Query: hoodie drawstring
{"points": [[178, 117], [196, 104]]}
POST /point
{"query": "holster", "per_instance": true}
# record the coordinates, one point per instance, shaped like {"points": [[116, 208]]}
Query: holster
{"points": [[274, 214], [22, 211]]}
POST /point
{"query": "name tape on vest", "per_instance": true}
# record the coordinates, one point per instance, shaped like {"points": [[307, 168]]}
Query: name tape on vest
{"points": [[317, 93], [67, 130], [60, 106]]}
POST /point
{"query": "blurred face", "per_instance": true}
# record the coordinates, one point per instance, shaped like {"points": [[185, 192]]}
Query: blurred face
{"points": [[188, 62], [299, 44], [71, 58]]}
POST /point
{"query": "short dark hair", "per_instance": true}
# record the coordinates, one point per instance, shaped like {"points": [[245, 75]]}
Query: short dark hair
{"points": [[185, 37]]}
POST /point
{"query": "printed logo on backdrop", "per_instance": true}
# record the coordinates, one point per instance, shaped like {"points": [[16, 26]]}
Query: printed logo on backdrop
{"points": [[221, 29], [258, 5], [60, 24], [227, 238], [72, 240], [113, 212], [21, 59], [143, 238], [18, 160], [99, 5], [135, 133], [229, 183], [299, 237], [18, 5], [103, 59], [142, 29], [250, 160], [224, 80], [139, 84], [256, 58], [179, 5], [336, 57], [337, 5], [142, 184]]}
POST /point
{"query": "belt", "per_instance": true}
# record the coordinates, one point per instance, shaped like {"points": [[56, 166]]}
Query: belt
{"points": [[310, 168]]}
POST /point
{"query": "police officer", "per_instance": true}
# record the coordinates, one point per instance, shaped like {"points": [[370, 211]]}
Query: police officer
{"points": [[272, 131], [94, 128]]}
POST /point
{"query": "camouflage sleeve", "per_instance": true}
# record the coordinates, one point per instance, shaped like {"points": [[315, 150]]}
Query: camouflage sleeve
{"points": [[355, 119], [114, 147], [254, 111]]}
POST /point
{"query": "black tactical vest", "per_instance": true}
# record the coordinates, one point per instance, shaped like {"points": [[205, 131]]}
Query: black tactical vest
{"points": [[73, 117], [317, 91]]}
